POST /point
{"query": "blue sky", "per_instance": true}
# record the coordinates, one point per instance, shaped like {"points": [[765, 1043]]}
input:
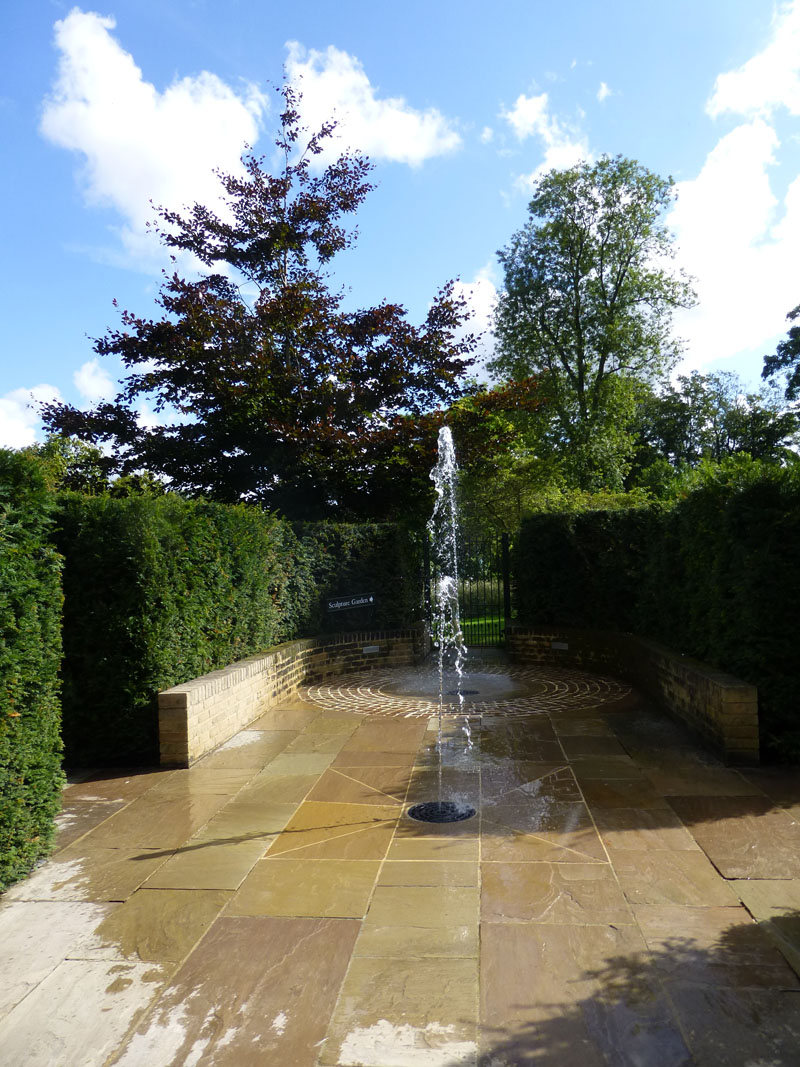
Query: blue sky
{"points": [[458, 104]]}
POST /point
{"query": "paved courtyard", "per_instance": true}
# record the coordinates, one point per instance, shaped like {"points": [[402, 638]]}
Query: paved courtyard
{"points": [[619, 897]]}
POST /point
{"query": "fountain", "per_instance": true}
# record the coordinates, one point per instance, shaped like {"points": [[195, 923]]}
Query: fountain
{"points": [[448, 639]]}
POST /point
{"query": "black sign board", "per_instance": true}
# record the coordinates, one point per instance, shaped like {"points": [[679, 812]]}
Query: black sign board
{"points": [[341, 603]]}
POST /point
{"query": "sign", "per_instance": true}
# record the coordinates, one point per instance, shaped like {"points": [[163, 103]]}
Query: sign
{"points": [[342, 603]]}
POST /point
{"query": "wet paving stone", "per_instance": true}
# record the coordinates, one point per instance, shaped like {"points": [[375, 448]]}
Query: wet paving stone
{"points": [[731, 1027], [744, 837], [552, 893], [621, 793], [307, 888], [405, 1010], [618, 898], [717, 946], [573, 995], [254, 991], [499, 777], [670, 877], [156, 926], [642, 829], [775, 905]]}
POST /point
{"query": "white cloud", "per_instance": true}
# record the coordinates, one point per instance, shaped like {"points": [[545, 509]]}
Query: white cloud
{"points": [[742, 252], [334, 84], [19, 414], [604, 92], [487, 134], [529, 116], [93, 382], [562, 146], [481, 297], [734, 233], [139, 144], [770, 79]]}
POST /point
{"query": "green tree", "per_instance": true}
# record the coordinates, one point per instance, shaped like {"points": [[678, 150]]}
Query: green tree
{"points": [[706, 418], [786, 359], [586, 307], [269, 390]]}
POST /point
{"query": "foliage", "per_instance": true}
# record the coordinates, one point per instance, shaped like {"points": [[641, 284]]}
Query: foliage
{"points": [[346, 559], [786, 359], [270, 390], [709, 417], [580, 567], [72, 464], [715, 574], [159, 590], [30, 652], [587, 305], [494, 432]]}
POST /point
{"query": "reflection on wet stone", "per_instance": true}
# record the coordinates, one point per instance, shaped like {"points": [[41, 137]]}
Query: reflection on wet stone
{"points": [[275, 903]]}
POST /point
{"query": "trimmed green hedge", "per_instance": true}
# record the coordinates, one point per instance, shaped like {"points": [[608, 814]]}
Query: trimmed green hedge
{"points": [[159, 590], [716, 576], [30, 651], [371, 558]]}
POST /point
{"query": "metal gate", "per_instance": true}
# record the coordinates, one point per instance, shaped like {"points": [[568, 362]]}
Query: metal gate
{"points": [[484, 589]]}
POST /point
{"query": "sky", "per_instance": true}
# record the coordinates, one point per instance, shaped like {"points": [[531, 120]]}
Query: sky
{"points": [[460, 105]]}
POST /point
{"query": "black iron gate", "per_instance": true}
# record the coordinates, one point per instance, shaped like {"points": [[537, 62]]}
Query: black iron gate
{"points": [[484, 589]]}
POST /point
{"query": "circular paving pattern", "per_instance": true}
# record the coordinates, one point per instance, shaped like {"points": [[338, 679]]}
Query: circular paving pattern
{"points": [[508, 691]]}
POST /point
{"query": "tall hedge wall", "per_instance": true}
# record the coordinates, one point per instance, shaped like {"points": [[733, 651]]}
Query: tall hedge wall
{"points": [[30, 651], [716, 576], [348, 560], [159, 590]]}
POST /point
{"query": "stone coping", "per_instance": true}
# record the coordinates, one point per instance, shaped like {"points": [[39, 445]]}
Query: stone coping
{"points": [[720, 708]]}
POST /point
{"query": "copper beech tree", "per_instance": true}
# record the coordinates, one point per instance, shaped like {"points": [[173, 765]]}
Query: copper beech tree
{"points": [[267, 389]]}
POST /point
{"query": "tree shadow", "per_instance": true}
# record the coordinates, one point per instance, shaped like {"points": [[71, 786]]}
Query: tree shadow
{"points": [[723, 998]]}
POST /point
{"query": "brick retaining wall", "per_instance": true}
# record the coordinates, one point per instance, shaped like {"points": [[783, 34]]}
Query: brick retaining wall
{"points": [[199, 715], [721, 709]]}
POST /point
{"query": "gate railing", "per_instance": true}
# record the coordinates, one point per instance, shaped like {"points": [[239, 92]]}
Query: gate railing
{"points": [[484, 589]]}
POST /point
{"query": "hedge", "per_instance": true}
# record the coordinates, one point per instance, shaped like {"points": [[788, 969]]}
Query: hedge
{"points": [[346, 560], [30, 651], [715, 575], [159, 590]]}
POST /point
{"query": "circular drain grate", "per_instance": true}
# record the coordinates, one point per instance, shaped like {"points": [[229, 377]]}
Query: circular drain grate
{"points": [[441, 811]]}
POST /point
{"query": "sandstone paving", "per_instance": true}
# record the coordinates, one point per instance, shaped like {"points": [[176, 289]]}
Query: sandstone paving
{"points": [[337, 786], [573, 995], [79, 1013], [308, 888], [395, 1010], [429, 873], [78, 817], [256, 990], [307, 742], [619, 897], [728, 1027], [155, 925], [209, 864], [713, 945], [553, 893], [89, 872], [499, 777], [35, 936], [745, 837], [642, 829], [670, 877], [198, 781], [158, 821], [775, 904]]}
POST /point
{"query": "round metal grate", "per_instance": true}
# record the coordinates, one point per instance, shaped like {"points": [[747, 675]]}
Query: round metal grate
{"points": [[441, 811]]}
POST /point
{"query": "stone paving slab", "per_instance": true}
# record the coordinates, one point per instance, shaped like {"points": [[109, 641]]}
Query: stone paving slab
{"points": [[618, 898]]}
